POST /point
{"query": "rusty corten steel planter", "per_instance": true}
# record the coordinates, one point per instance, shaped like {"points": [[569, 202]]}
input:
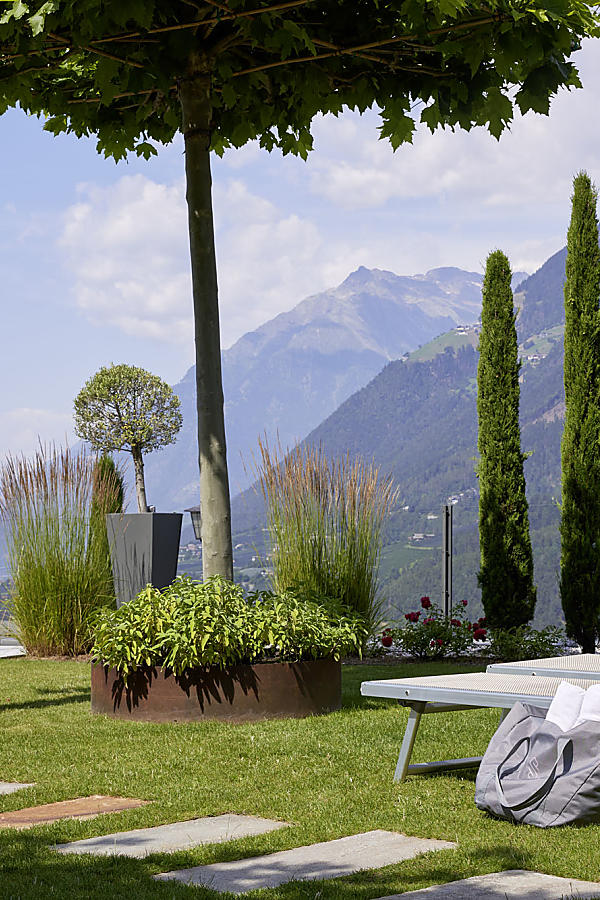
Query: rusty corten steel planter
{"points": [[234, 694]]}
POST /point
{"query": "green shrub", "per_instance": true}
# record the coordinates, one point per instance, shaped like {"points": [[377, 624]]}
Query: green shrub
{"points": [[427, 634], [325, 520], [57, 562], [194, 623], [108, 496], [526, 643]]}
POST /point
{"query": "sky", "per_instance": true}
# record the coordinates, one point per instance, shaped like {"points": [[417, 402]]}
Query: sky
{"points": [[94, 255]]}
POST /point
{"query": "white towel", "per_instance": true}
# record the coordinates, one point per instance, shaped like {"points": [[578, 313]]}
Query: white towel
{"points": [[566, 705], [590, 706]]}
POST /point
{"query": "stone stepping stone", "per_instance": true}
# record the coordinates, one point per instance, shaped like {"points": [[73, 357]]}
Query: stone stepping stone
{"points": [[9, 787], [330, 859], [80, 808], [178, 836], [514, 883]]}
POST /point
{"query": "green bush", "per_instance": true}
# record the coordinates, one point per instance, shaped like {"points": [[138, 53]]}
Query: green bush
{"points": [[526, 643], [57, 561], [194, 623], [427, 634], [108, 496]]}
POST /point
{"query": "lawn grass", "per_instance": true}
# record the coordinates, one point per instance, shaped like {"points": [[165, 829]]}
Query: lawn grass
{"points": [[329, 776]]}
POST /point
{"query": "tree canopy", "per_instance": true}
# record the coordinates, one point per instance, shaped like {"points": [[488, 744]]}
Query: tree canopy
{"points": [[113, 69], [127, 408]]}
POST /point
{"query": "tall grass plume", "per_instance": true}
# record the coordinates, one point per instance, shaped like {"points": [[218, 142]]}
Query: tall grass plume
{"points": [[325, 519], [51, 505]]}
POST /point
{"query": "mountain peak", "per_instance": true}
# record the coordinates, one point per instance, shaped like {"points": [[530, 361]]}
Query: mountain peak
{"points": [[360, 276]]}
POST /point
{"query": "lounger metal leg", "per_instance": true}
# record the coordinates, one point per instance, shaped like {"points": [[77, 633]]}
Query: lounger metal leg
{"points": [[417, 709], [412, 726]]}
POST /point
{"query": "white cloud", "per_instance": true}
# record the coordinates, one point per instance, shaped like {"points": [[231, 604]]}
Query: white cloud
{"points": [[127, 248], [533, 163], [23, 429], [268, 258]]}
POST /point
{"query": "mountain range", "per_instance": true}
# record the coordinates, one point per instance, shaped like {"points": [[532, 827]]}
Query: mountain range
{"points": [[417, 419], [287, 376]]}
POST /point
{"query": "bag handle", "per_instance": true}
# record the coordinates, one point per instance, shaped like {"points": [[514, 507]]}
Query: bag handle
{"points": [[562, 745]]}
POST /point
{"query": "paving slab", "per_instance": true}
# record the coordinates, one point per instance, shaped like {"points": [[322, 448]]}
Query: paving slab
{"points": [[177, 836], [514, 883], [80, 808], [330, 859], [9, 787]]}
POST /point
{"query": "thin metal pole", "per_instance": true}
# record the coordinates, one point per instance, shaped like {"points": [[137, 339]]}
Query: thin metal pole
{"points": [[450, 529], [447, 559]]}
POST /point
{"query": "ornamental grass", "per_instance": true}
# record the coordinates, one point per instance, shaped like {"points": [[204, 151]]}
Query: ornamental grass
{"points": [[325, 519], [58, 563]]}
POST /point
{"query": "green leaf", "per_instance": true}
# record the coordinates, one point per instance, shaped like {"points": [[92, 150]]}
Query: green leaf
{"points": [[399, 130], [498, 111], [146, 150], [38, 20], [18, 10]]}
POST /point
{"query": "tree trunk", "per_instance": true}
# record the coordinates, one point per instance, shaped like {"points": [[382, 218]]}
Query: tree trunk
{"points": [[217, 554], [140, 486]]}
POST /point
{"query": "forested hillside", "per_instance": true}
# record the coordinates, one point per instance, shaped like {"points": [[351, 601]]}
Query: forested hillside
{"points": [[418, 420]]}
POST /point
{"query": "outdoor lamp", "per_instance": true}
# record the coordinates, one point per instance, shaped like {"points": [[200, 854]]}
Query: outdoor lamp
{"points": [[194, 512]]}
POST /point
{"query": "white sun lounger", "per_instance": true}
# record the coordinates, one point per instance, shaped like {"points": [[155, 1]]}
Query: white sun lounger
{"points": [[579, 665], [469, 690]]}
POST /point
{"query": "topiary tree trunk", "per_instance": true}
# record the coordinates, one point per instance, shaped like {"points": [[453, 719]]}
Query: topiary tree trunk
{"points": [[506, 576], [140, 483], [580, 520]]}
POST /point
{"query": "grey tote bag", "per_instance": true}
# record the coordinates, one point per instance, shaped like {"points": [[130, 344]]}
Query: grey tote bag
{"points": [[536, 774]]}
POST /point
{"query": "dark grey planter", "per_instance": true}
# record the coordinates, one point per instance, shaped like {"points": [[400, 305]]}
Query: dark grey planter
{"points": [[143, 550]]}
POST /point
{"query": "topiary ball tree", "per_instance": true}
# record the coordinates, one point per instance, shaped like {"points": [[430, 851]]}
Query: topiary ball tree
{"points": [[126, 408]]}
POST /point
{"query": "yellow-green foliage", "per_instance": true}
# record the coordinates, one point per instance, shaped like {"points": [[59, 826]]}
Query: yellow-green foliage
{"points": [[194, 623]]}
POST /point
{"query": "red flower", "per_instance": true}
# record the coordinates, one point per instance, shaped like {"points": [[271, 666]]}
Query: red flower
{"points": [[479, 634], [482, 622], [428, 621], [387, 640], [439, 642], [412, 616], [456, 622], [465, 602], [468, 626], [425, 602]]}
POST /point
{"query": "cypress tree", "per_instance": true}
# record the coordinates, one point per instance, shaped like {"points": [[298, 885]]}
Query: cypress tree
{"points": [[580, 520], [506, 576], [108, 496]]}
